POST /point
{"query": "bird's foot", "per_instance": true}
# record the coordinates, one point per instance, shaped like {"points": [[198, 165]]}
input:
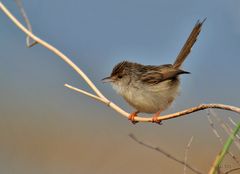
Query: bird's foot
{"points": [[132, 116], [155, 118]]}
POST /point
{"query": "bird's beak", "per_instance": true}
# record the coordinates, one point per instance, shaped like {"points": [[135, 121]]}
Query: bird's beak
{"points": [[107, 80]]}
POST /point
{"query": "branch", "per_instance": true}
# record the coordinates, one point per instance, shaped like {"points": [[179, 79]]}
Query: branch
{"points": [[64, 58], [51, 48], [169, 116], [98, 95], [165, 154], [232, 170]]}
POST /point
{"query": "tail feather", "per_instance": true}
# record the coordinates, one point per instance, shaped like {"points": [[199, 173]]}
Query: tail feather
{"points": [[188, 44]]}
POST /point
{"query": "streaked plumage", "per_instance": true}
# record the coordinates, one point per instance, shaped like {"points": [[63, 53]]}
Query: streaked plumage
{"points": [[151, 88]]}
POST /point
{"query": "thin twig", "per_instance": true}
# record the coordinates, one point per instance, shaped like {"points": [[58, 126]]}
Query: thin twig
{"points": [[186, 154], [63, 57], [232, 170], [51, 48], [30, 42], [165, 154], [177, 114], [85, 93]]}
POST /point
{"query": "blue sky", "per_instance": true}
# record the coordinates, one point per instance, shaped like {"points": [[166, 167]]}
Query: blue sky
{"points": [[96, 35]]}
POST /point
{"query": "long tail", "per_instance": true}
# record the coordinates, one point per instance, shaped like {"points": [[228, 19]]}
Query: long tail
{"points": [[188, 44]]}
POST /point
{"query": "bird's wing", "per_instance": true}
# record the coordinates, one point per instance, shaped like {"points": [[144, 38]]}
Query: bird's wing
{"points": [[157, 74]]}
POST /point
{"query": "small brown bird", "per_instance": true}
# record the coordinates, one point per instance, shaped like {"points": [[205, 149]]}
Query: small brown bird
{"points": [[148, 88]]}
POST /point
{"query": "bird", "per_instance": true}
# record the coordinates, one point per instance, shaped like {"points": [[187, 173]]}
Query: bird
{"points": [[151, 88]]}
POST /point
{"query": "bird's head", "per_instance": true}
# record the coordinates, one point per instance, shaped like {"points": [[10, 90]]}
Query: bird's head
{"points": [[120, 76]]}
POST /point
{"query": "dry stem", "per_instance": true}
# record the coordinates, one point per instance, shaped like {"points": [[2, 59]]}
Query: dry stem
{"points": [[186, 154], [30, 43], [168, 155]]}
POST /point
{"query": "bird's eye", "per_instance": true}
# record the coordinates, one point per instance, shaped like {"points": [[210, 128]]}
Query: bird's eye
{"points": [[119, 76]]}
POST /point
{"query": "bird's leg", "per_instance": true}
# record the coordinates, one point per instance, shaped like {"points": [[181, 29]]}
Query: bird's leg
{"points": [[155, 116], [132, 115]]}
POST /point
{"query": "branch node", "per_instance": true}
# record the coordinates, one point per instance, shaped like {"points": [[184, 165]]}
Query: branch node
{"points": [[109, 103]]}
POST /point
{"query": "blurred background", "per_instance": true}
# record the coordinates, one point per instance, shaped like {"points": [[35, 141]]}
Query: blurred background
{"points": [[47, 128]]}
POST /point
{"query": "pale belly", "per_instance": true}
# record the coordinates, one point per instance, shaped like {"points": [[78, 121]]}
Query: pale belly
{"points": [[152, 99]]}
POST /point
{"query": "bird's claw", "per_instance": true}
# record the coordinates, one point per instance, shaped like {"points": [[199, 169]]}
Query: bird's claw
{"points": [[155, 120], [132, 116]]}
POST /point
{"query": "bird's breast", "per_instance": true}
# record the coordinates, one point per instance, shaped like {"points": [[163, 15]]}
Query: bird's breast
{"points": [[149, 98]]}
